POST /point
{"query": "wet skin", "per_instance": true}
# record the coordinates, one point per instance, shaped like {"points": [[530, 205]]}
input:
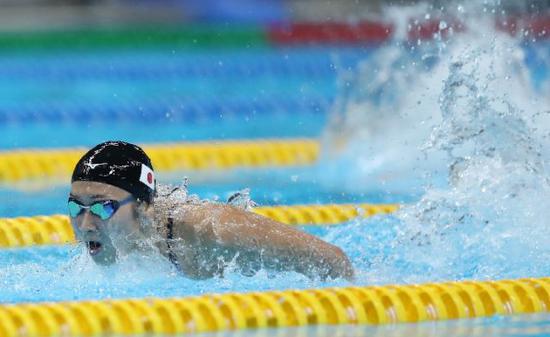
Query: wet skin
{"points": [[205, 237], [106, 238]]}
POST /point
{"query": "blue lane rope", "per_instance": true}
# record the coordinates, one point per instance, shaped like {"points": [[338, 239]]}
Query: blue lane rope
{"points": [[160, 111], [320, 64], [148, 71]]}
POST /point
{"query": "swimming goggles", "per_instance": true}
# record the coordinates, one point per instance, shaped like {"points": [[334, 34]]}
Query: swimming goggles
{"points": [[103, 209]]}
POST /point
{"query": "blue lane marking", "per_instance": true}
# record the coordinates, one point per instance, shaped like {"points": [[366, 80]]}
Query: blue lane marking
{"points": [[186, 111], [285, 62]]}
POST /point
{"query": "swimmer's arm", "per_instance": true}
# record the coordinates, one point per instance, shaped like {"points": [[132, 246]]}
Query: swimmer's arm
{"points": [[274, 243]]}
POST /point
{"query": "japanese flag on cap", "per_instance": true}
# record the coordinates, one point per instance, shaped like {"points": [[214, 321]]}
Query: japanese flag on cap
{"points": [[147, 176]]}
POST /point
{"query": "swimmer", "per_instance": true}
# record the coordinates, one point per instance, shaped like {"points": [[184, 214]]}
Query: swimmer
{"points": [[115, 209]]}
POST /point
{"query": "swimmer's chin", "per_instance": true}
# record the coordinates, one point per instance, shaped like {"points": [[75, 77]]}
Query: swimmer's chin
{"points": [[101, 253]]}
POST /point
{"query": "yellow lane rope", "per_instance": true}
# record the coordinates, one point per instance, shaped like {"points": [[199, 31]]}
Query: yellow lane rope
{"points": [[21, 165], [56, 229], [235, 311]]}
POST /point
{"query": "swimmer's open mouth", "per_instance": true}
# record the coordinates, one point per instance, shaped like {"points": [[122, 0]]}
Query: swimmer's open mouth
{"points": [[94, 247]]}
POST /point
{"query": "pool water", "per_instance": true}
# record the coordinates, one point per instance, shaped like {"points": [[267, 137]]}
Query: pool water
{"points": [[207, 95], [458, 148], [526, 325]]}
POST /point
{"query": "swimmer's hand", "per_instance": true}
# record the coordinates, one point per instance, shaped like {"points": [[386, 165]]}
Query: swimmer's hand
{"points": [[259, 242]]}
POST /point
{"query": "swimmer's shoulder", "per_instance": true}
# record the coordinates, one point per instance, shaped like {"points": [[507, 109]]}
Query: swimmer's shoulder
{"points": [[208, 212], [188, 221]]}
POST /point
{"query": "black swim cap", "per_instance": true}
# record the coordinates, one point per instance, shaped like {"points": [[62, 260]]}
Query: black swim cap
{"points": [[120, 164]]}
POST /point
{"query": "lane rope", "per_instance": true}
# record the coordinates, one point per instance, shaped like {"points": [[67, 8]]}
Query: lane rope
{"points": [[57, 229], [159, 110], [19, 165], [132, 36], [372, 305], [363, 32]]}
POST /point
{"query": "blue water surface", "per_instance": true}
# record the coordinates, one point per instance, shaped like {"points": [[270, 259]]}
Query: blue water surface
{"points": [[159, 96]]}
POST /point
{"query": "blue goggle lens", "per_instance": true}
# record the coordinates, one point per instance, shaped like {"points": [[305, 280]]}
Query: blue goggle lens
{"points": [[74, 209], [102, 209]]}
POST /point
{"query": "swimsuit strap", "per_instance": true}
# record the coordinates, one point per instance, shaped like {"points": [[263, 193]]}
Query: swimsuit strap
{"points": [[169, 238]]}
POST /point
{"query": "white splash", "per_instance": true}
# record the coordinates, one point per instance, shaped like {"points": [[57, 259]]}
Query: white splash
{"points": [[389, 105], [480, 132]]}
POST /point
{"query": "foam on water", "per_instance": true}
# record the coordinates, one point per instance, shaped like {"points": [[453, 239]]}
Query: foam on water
{"points": [[482, 148], [389, 104], [65, 273]]}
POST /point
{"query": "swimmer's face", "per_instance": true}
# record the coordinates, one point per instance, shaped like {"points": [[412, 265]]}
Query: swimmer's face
{"points": [[105, 239]]}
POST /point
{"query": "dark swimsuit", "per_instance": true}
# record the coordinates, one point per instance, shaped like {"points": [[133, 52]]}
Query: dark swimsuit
{"points": [[169, 238]]}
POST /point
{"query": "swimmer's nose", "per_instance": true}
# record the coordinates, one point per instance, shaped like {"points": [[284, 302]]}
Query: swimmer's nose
{"points": [[87, 222]]}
